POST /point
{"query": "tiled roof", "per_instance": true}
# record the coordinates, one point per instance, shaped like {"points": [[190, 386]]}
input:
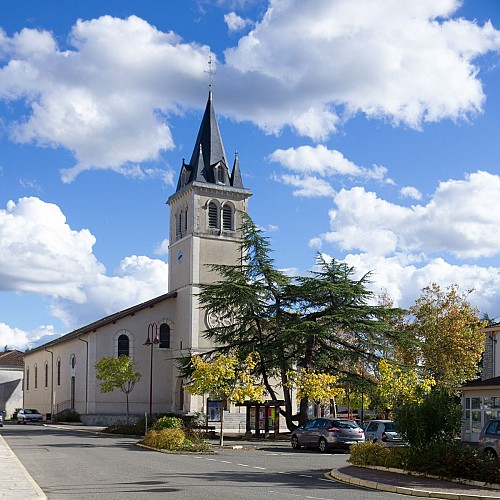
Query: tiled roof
{"points": [[11, 358]]}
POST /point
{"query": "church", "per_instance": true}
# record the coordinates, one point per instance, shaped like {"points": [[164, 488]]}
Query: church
{"points": [[204, 222]]}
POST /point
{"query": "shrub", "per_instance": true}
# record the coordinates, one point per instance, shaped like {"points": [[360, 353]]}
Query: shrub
{"points": [[174, 439], [447, 460], [436, 419], [67, 416], [167, 423]]}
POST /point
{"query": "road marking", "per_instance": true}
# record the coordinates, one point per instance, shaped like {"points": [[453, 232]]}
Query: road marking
{"points": [[304, 475], [226, 462], [243, 465], [261, 468]]}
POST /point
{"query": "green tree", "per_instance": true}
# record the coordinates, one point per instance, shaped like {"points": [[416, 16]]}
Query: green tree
{"points": [[323, 322], [436, 418], [117, 373], [450, 333]]}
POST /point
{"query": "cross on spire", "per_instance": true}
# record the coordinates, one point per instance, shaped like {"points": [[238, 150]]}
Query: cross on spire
{"points": [[210, 72]]}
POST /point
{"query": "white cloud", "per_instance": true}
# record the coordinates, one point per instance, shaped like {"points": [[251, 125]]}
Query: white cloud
{"points": [[105, 98], [307, 65], [402, 60], [461, 219], [410, 192], [15, 338], [235, 22], [162, 248], [310, 162], [404, 280], [307, 186], [41, 254]]}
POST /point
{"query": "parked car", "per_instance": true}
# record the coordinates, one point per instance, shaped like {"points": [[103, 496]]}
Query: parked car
{"points": [[25, 415], [1, 418], [489, 439], [384, 432], [325, 433]]}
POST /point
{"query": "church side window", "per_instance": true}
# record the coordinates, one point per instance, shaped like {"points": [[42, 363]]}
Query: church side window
{"points": [[46, 370], [164, 336], [59, 371], [227, 218], [123, 345], [27, 379], [181, 223], [36, 377], [213, 215]]}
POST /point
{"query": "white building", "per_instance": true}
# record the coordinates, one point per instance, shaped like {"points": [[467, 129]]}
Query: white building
{"points": [[11, 378], [481, 398], [204, 224]]}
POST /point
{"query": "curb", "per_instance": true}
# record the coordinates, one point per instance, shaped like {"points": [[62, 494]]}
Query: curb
{"points": [[372, 485]]}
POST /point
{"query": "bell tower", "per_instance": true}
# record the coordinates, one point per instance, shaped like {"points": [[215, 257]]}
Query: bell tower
{"points": [[204, 226]]}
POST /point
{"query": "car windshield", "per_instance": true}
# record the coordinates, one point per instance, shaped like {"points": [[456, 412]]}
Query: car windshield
{"points": [[31, 411], [391, 427], [344, 424]]}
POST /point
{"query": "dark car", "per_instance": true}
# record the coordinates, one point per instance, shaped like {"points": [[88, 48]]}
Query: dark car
{"points": [[489, 439], [25, 415], [326, 433]]}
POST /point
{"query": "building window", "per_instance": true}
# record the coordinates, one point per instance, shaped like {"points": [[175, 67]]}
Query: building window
{"points": [[36, 377], [123, 345], [164, 336], [46, 370], [59, 371], [213, 215], [27, 379], [72, 361], [227, 218]]}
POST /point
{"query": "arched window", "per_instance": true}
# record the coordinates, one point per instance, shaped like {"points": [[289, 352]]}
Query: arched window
{"points": [[123, 345], [72, 361], [59, 371], [27, 379], [36, 377], [213, 215], [164, 336], [227, 218], [46, 370]]}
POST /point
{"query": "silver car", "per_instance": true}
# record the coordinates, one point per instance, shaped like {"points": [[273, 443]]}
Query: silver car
{"points": [[325, 433], [28, 415], [489, 439], [384, 432]]}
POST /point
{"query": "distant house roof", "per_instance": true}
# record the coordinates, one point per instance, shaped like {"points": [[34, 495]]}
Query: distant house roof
{"points": [[479, 384], [92, 327], [12, 358]]}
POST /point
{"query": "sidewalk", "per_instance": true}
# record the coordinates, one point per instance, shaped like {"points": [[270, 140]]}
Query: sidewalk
{"points": [[15, 482], [405, 484]]}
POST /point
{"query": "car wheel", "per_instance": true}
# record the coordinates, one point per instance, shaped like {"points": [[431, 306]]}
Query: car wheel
{"points": [[375, 441], [295, 443], [323, 445], [488, 452]]}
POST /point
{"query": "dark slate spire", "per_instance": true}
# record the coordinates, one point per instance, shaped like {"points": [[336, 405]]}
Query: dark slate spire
{"points": [[236, 180], [208, 162]]}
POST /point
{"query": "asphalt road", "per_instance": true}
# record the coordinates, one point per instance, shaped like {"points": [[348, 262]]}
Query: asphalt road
{"points": [[76, 465]]}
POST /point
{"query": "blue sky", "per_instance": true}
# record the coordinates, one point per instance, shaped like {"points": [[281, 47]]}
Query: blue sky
{"points": [[366, 130]]}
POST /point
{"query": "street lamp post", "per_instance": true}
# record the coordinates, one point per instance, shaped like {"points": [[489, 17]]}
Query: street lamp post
{"points": [[151, 341]]}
